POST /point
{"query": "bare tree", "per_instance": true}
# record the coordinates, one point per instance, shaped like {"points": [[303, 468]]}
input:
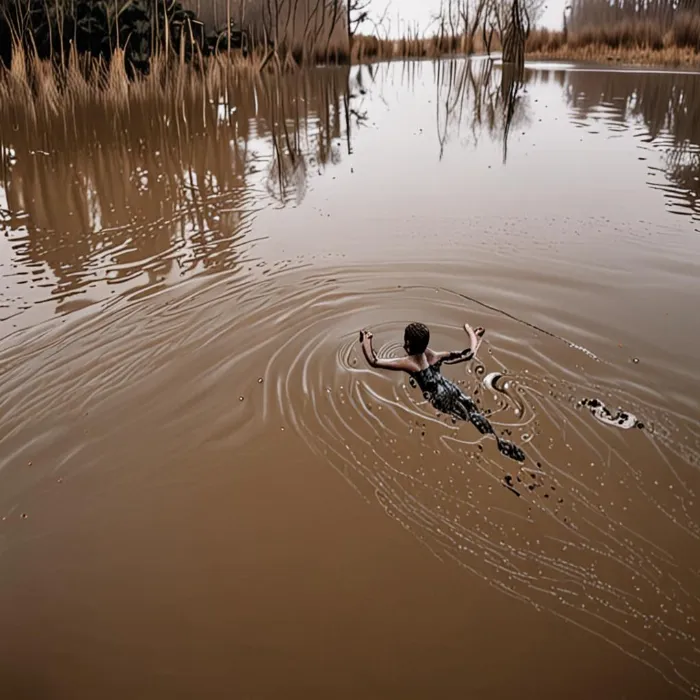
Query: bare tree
{"points": [[515, 35], [471, 13], [357, 15], [497, 17]]}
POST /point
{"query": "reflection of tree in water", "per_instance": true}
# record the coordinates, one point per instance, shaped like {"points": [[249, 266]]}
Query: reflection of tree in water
{"points": [[478, 96], [303, 140], [167, 187], [668, 104], [511, 84]]}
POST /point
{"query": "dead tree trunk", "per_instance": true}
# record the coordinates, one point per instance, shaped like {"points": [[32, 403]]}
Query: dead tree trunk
{"points": [[514, 39]]}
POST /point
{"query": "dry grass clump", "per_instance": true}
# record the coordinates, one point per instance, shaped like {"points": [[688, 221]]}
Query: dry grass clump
{"points": [[626, 34], [371, 48], [639, 42], [32, 87], [544, 41], [685, 31], [672, 56]]}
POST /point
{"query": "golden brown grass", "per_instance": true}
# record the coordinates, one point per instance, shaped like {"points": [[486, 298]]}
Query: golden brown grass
{"points": [[685, 31], [672, 56], [371, 48], [626, 34], [34, 87], [630, 40]]}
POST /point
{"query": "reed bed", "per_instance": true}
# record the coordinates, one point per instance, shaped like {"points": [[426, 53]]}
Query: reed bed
{"points": [[32, 85], [671, 56], [641, 42], [610, 31]]}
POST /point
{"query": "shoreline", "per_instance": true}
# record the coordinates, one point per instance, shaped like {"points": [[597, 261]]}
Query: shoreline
{"points": [[600, 55], [40, 85]]}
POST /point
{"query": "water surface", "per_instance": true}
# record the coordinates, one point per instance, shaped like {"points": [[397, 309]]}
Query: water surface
{"points": [[204, 488]]}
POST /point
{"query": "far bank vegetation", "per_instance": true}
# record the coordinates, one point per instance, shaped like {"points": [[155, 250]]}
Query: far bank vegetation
{"points": [[652, 31], [50, 48], [55, 52]]}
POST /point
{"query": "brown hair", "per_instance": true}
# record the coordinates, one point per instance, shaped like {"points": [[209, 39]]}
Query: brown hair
{"points": [[416, 338]]}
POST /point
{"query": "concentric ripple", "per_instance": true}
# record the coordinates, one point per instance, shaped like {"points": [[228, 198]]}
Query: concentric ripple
{"points": [[600, 526]]}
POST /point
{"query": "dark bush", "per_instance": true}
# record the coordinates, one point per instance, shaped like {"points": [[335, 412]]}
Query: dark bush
{"points": [[98, 27]]}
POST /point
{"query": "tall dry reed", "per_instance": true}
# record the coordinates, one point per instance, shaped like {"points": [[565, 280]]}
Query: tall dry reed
{"points": [[662, 31], [626, 34]]}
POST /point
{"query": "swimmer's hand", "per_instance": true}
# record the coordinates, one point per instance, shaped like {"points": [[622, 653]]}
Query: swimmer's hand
{"points": [[367, 349], [476, 335], [403, 364], [478, 331], [366, 342]]}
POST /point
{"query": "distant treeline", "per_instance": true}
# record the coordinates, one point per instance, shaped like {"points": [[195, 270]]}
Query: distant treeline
{"points": [[672, 26], [649, 24]]}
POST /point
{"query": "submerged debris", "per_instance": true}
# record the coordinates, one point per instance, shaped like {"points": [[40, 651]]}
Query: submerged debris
{"points": [[508, 483], [620, 419]]}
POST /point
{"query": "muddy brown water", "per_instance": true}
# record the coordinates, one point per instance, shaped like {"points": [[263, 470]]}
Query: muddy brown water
{"points": [[205, 492]]}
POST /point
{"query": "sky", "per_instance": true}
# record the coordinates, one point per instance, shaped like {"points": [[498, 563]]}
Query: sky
{"points": [[421, 11]]}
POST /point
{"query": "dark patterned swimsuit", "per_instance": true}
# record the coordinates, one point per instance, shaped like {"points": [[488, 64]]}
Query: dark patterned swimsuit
{"points": [[448, 398]]}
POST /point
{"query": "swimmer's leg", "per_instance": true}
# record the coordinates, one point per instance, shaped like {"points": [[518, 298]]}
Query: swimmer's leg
{"points": [[458, 410], [505, 447], [467, 404], [481, 424], [510, 449]]}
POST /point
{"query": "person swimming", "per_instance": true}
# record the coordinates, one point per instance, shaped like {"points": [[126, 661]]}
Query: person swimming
{"points": [[424, 365]]}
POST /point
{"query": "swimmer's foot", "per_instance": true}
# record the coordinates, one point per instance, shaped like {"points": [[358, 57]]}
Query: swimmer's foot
{"points": [[511, 450]]}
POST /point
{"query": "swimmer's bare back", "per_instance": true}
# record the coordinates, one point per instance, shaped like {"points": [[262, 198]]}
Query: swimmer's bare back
{"points": [[423, 366], [413, 362]]}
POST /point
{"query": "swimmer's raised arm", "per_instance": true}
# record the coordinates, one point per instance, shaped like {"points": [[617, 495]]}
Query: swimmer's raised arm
{"points": [[456, 356], [476, 335], [402, 364]]}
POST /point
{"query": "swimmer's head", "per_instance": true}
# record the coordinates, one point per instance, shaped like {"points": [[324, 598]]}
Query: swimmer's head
{"points": [[416, 338]]}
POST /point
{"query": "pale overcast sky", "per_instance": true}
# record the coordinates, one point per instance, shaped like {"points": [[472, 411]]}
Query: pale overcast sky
{"points": [[421, 11]]}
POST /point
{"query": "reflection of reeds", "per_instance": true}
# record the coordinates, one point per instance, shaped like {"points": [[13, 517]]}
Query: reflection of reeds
{"points": [[670, 110], [140, 188], [472, 94]]}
